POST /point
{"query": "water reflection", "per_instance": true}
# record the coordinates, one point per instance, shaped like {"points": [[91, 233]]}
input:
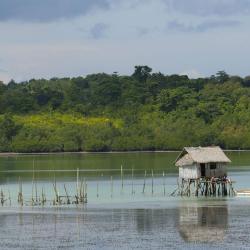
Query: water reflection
{"points": [[110, 162], [203, 224], [127, 228], [148, 220], [95, 229]]}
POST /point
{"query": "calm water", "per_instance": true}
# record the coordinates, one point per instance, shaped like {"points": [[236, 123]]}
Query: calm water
{"points": [[221, 224], [107, 164], [121, 218]]}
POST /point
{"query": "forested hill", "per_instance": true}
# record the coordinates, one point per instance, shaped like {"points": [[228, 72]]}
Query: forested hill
{"points": [[144, 111]]}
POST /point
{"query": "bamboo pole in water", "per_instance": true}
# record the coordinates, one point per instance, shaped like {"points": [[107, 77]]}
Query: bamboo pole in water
{"points": [[57, 197], [164, 183], [67, 195], [36, 191], [132, 174], [152, 173], [85, 190], [97, 187], [43, 197], [144, 182], [121, 179], [9, 197], [33, 180], [77, 182], [20, 193], [111, 185], [2, 197], [81, 192]]}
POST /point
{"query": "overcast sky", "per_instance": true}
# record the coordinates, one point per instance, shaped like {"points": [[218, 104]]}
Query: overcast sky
{"points": [[47, 38]]}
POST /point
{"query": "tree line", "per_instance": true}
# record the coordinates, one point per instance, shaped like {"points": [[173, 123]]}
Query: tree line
{"points": [[109, 112]]}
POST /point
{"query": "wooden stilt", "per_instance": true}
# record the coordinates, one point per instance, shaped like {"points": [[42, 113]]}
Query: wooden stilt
{"points": [[204, 187]]}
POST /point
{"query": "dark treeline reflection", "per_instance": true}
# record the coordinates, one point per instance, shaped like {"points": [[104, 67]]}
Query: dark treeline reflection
{"points": [[203, 224], [97, 164], [107, 164]]}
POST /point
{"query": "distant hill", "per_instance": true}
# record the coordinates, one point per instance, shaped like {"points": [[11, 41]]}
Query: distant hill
{"points": [[144, 111]]}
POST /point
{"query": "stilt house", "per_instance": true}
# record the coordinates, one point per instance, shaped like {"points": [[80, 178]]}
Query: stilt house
{"points": [[202, 162]]}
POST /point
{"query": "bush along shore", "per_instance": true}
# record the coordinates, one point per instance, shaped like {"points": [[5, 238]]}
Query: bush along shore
{"points": [[108, 112]]}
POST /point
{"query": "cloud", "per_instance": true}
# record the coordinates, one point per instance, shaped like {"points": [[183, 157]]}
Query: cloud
{"points": [[201, 27], [47, 10], [4, 76], [98, 30], [209, 7], [142, 31], [192, 73], [50, 10]]}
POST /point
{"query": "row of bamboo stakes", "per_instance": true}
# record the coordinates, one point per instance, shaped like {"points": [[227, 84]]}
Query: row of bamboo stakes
{"points": [[144, 182], [80, 196]]}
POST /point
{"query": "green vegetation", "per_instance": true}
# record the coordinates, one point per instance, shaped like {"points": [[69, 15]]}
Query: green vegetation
{"points": [[145, 111]]}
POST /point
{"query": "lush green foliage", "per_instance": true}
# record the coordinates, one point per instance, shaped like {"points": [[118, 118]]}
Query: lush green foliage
{"points": [[145, 111]]}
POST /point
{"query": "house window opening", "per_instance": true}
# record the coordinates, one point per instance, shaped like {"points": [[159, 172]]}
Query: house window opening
{"points": [[212, 166]]}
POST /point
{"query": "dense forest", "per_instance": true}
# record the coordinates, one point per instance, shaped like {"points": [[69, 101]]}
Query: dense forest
{"points": [[144, 111]]}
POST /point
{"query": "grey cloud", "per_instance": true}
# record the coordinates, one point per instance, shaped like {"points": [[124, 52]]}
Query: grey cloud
{"points": [[209, 7], [98, 30], [202, 27], [142, 31], [47, 10]]}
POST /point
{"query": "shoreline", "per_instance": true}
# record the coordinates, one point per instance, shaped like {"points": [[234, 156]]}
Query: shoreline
{"points": [[109, 152], [87, 152]]}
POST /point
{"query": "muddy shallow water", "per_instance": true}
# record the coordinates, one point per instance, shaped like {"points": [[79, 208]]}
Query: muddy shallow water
{"points": [[122, 218], [219, 224], [131, 221]]}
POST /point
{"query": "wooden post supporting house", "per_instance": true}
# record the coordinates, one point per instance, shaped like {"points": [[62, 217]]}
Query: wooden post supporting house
{"points": [[203, 171]]}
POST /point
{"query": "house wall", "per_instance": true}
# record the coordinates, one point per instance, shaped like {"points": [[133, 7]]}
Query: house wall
{"points": [[220, 171], [194, 172], [189, 172]]}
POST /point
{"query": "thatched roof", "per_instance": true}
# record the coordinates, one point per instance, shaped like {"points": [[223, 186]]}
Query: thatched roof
{"points": [[191, 155]]}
